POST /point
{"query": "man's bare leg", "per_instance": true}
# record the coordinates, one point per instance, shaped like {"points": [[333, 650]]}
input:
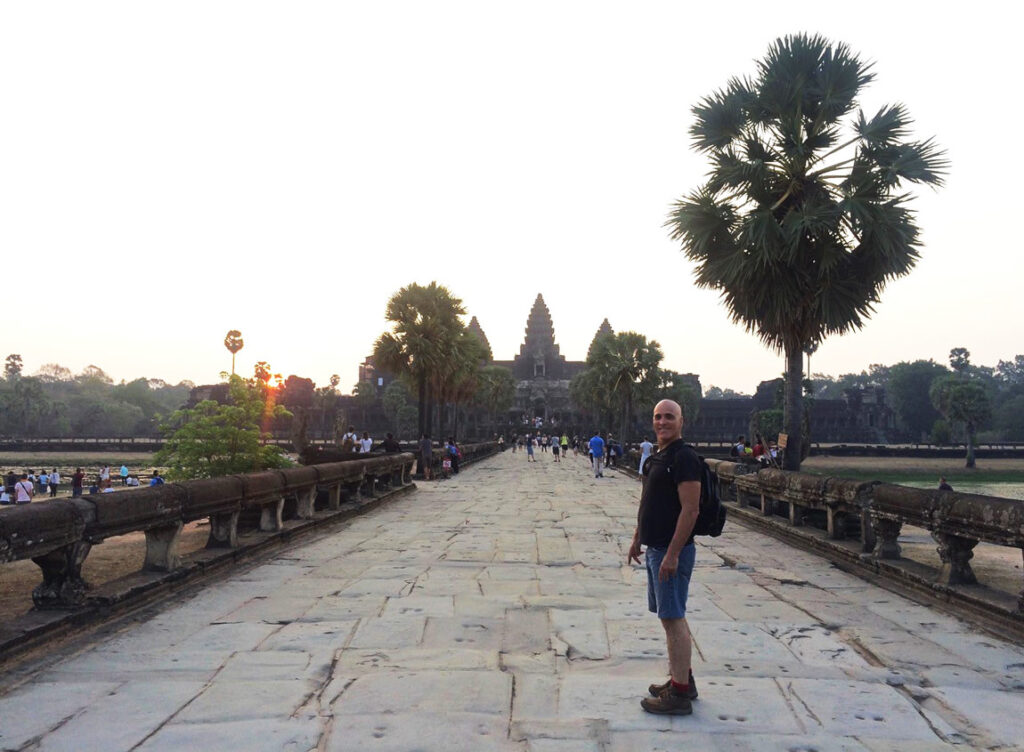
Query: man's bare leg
{"points": [[680, 648]]}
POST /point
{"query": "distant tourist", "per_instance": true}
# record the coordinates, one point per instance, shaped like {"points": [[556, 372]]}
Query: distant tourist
{"points": [[529, 449], [597, 454], [156, 480], [426, 455], [23, 490], [944, 486], [131, 480], [737, 448], [124, 475], [555, 446], [646, 447], [43, 482], [365, 443], [104, 476], [77, 480], [390, 444], [9, 482], [54, 482], [349, 440]]}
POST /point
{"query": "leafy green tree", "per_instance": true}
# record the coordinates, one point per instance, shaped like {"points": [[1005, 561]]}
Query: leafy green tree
{"points": [[496, 390], [425, 322], [799, 225], [964, 402], [211, 440], [1011, 371], [589, 394], [716, 393], [908, 391], [941, 435], [766, 422], [395, 397], [12, 367], [1010, 418], [675, 386]]}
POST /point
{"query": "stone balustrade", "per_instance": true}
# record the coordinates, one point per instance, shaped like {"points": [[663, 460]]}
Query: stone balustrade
{"points": [[875, 512], [58, 534]]}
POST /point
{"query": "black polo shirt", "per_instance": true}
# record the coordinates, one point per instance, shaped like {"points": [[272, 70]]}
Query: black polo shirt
{"points": [[659, 504]]}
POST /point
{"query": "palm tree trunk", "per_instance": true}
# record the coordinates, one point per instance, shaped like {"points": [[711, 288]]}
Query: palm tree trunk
{"points": [[794, 404], [421, 406], [971, 431]]}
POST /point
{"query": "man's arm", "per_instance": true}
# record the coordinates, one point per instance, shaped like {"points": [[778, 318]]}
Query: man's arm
{"points": [[689, 502], [634, 547]]}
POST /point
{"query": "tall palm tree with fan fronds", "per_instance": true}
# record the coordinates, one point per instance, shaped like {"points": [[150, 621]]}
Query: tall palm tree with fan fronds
{"points": [[804, 216]]}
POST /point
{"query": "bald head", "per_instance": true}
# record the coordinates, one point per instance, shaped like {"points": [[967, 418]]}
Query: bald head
{"points": [[667, 422]]}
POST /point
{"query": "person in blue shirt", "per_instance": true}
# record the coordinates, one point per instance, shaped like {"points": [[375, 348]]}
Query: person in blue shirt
{"points": [[597, 450], [156, 480]]}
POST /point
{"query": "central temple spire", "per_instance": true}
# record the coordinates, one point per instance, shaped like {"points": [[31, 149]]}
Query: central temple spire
{"points": [[539, 356]]}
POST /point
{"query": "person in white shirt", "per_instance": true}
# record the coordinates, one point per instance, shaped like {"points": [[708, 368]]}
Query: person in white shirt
{"points": [[365, 443], [646, 447], [23, 490]]}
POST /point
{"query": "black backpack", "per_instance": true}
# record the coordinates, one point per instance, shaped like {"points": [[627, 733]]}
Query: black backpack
{"points": [[711, 518]]}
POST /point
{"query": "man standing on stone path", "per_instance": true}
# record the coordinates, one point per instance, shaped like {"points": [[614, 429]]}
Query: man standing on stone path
{"points": [[597, 454], [669, 505]]}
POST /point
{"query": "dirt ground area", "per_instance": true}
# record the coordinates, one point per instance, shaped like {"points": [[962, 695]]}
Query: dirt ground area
{"points": [[107, 561]]}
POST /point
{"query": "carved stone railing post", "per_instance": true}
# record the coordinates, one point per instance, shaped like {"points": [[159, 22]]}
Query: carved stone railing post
{"points": [[351, 491], [304, 507], [162, 548], [835, 523], [223, 530], [796, 515], [867, 530], [334, 496], [407, 469], [62, 585], [887, 533], [956, 554], [271, 520]]}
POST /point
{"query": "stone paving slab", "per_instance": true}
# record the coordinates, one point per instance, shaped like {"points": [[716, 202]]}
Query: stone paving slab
{"points": [[496, 611]]}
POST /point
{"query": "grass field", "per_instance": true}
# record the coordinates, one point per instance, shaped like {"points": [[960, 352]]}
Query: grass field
{"points": [[908, 469]]}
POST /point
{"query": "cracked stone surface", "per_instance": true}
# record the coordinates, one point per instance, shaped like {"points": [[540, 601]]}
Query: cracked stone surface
{"points": [[496, 611]]}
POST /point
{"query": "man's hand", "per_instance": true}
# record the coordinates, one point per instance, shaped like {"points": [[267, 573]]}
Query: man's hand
{"points": [[634, 550], [669, 565]]}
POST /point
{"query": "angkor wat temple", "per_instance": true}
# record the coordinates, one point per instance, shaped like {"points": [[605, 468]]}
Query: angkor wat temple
{"points": [[542, 376]]}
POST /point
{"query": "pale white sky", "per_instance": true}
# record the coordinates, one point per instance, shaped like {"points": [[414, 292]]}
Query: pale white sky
{"points": [[169, 171]]}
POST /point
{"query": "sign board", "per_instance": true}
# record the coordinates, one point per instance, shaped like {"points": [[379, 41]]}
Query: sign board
{"points": [[783, 438]]}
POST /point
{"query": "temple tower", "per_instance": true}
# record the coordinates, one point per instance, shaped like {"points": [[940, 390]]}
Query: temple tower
{"points": [[539, 356]]}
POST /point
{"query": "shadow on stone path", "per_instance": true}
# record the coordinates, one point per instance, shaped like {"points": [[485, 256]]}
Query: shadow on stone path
{"points": [[494, 611]]}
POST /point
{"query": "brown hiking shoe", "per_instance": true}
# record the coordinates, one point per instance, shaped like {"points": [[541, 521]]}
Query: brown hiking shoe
{"points": [[668, 703], [657, 690]]}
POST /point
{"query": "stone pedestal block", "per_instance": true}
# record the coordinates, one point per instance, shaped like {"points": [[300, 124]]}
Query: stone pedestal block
{"points": [[62, 586], [162, 548], [956, 554]]}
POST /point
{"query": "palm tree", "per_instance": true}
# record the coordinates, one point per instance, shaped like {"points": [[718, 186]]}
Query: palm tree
{"points": [[425, 322], [495, 392], [628, 370], [233, 342], [799, 225]]}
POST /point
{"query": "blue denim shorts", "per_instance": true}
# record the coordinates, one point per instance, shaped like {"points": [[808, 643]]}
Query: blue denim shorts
{"points": [[668, 599]]}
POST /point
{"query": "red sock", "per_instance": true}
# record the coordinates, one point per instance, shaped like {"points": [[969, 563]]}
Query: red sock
{"points": [[680, 688]]}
